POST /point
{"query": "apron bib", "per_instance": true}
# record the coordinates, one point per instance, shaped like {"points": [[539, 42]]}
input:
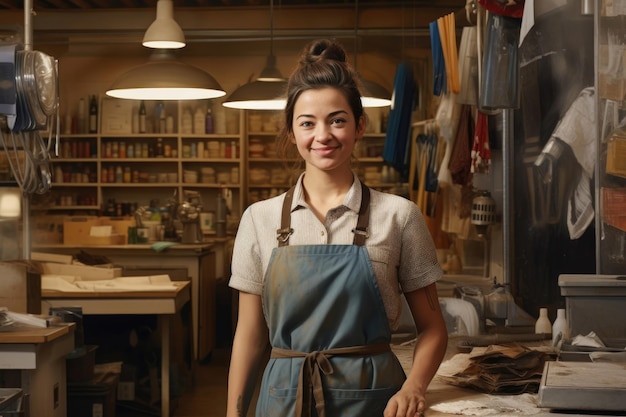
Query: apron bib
{"points": [[328, 330]]}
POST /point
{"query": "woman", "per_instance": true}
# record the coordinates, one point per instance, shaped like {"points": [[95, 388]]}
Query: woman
{"points": [[321, 268]]}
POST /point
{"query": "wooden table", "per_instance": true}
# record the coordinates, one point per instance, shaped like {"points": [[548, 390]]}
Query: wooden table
{"points": [[39, 354], [198, 259], [164, 304]]}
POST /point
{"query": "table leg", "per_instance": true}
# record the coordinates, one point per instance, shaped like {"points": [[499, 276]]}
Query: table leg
{"points": [[165, 364]]}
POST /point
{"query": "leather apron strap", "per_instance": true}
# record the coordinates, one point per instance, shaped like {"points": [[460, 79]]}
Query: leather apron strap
{"points": [[310, 379]]}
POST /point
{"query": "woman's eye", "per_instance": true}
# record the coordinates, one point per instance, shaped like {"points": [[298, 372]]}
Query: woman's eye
{"points": [[337, 121]]}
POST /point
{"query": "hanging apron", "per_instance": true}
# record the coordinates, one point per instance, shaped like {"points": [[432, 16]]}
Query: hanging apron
{"points": [[328, 330]]}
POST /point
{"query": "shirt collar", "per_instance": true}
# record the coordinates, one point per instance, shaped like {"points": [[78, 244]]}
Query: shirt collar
{"points": [[352, 200]]}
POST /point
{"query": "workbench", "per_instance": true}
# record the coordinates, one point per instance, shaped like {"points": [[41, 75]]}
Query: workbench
{"points": [[203, 262], [38, 354], [164, 304], [445, 400]]}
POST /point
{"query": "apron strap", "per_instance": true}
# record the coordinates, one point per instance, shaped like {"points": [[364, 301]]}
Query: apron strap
{"points": [[285, 222], [360, 231], [311, 372]]}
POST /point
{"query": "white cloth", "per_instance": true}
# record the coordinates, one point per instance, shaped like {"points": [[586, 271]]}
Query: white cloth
{"points": [[447, 118], [577, 128]]}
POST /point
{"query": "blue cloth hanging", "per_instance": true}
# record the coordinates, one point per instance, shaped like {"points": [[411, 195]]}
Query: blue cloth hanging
{"points": [[397, 143], [439, 64]]}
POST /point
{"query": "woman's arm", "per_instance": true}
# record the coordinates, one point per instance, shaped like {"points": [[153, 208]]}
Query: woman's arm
{"points": [[249, 350], [429, 351]]}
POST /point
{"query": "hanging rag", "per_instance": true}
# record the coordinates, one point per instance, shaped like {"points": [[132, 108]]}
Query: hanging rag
{"points": [[577, 129], [499, 87], [468, 67], [447, 118], [460, 165], [396, 149], [447, 36], [439, 66], [481, 152]]}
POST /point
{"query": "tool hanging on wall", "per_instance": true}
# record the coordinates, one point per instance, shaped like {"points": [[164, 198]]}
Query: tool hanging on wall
{"points": [[28, 105]]}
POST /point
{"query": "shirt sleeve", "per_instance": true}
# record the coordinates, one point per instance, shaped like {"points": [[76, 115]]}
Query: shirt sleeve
{"points": [[246, 265], [419, 266]]}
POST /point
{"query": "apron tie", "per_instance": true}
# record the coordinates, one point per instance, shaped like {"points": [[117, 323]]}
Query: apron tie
{"points": [[310, 375]]}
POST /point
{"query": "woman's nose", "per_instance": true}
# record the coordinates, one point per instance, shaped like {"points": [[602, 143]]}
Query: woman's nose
{"points": [[322, 132]]}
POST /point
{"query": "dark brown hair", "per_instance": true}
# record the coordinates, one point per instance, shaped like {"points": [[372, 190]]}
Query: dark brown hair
{"points": [[323, 63]]}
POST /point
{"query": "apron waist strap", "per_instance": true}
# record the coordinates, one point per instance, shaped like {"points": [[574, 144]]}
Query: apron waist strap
{"points": [[310, 374]]}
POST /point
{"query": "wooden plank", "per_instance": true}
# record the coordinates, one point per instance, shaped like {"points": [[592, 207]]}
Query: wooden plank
{"points": [[35, 335], [179, 286]]}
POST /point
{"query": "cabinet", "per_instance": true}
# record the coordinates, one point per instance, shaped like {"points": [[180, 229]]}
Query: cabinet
{"points": [[118, 164], [611, 111]]}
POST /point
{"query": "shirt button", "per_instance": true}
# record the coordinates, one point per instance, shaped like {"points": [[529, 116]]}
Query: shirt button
{"points": [[322, 233]]}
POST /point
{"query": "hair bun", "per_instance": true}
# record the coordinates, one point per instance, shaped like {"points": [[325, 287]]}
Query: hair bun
{"points": [[323, 49]]}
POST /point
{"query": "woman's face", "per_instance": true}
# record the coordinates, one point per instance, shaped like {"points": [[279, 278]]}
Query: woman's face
{"points": [[324, 129]]}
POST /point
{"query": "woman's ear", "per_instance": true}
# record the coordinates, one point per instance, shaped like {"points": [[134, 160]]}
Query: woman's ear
{"points": [[360, 128]]}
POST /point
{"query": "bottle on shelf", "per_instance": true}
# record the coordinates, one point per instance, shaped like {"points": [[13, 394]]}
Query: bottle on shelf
{"points": [[82, 116], [93, 114], [543, 325], [142, 117], [560, 331], [159, 148], [159, 113], [187, 122], [198, 121], [208, 121]]}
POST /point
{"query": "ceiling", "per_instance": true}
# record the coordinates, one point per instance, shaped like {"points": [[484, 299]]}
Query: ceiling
{"points": [[231, 27], [116, 4]]}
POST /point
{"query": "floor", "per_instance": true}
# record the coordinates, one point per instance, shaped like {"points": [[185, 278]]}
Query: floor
{"points": [[205, 398]]}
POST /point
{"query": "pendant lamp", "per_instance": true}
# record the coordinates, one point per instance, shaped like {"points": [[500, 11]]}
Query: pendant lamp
{"points": [[164, 77], [268, 91], [164, 32]]}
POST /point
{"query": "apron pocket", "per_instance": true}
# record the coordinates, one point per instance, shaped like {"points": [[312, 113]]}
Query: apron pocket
{"points": [[358, 403], [278, 402]]}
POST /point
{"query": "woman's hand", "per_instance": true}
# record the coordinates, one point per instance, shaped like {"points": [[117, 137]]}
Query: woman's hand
{"points": [[408, 402]]}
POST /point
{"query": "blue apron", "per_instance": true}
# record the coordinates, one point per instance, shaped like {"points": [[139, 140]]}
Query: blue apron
{"points": [[328, 330]]}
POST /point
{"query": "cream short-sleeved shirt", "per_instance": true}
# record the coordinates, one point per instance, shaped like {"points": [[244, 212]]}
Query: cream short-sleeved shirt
{"points": [[399, 245]]}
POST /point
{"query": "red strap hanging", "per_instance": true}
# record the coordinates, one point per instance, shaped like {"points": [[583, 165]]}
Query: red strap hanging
{"points": [[481, 152], [511, 8]]}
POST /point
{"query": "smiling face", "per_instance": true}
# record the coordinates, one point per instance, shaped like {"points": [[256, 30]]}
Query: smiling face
{"points": [[325, 130]]}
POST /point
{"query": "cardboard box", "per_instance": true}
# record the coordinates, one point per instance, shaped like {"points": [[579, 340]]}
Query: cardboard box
{"points": [[20, 287], [48, 229], [80, 230], [87, 273]]}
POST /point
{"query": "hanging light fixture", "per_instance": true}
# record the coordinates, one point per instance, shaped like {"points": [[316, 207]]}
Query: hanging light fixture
{"points": [[373, 94], [164, 32], [267, 92], [164, 77]]}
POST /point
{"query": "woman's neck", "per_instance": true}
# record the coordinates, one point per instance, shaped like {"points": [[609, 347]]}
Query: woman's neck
{"points": [[324, 190]]}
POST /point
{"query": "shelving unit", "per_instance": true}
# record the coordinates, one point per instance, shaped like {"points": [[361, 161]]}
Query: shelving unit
{"points": [[93, 169]]}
